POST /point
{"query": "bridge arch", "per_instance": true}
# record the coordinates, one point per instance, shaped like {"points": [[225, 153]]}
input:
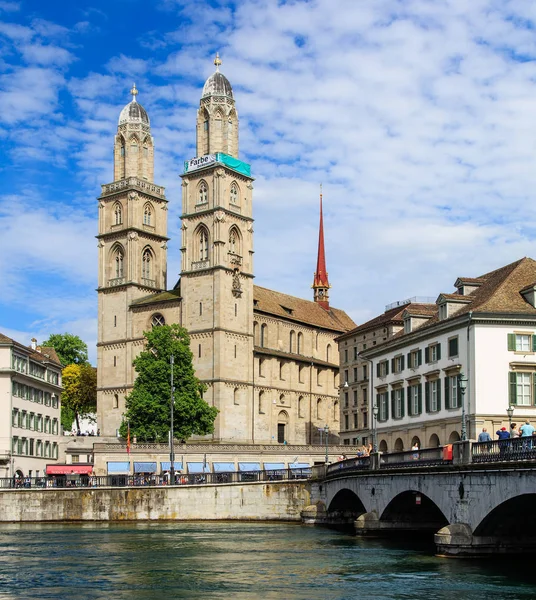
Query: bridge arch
{"points": [[346, 504], [414, 510], [514, 518]]}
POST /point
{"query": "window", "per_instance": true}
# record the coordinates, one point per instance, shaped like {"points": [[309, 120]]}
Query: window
{"points": [[233, 194], [397, 364], [147, 214], [52, 377], [383, 412], [355, 373], [355, 352], [521, 388], [203, 244], [19, 363], [346, 422], [300, 343], [264, 335], [202, 196], [382, 368], [414, 400], [414, 359], [281, 370], [118, 262], [301, 369], [291, 341], [118, 214], [451, 392], [261, 402], [453, 347], [346, 376], [116, 401], [355, 397], [346, 400], [75, 458], [15, 417], [261, 367], [365, 373], [157, 320], [235, 396], [355, 421], [233, 241], [397, 400], [37, 370], [319, 408], [432, 353], [301, 404], [346, 355], [521, 342], [146, 264], [432, 390], [328, 352]]}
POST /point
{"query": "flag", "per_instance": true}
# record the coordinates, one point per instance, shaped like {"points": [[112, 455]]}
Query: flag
{"points": [[128, 438]]}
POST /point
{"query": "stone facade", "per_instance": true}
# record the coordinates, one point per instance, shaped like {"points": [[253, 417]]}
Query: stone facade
{"points": [[268, 359]]}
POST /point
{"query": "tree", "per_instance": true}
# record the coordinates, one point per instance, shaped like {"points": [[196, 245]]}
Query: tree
{"points": [[79, 395], [69, 348], [148, 405]]}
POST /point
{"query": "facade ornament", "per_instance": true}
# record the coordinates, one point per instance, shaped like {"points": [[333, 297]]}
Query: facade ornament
{"points": [[219, 173], [219, 217], [133, 195], [250, 227], [237, 286], [249, 186], [101, 204], [164, 246], [100, 244], [133, 236]]}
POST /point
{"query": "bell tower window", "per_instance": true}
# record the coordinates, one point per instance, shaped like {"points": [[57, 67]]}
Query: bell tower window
{"points": [[147, 215], [146, 264], [233, 194], [233, 241], [157, 320], [202, 197], [119, 260], [118, 214], [203, 244]]}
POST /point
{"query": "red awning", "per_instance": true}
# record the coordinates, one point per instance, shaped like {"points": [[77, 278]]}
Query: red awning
{"points": [[68, 469]]}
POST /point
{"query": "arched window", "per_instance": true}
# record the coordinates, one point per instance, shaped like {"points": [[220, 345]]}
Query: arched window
{"points": [[118, 213], [383, 446], [301, 403], [282, 399], [147, 214], [291, 341], [300, 343], [336, 410], [234, 241], [236, 396], [157, 320], [203, 244], [233, 194], [118, 262], [261, 402], [116, 401], [319, 408], [282, 421], [133, 145], [147, 264], [255, 333], [328, 352], [202, 195], [264, 335]]}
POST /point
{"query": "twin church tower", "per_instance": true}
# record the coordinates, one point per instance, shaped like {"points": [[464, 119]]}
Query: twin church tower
{"points": [[269, 360]]}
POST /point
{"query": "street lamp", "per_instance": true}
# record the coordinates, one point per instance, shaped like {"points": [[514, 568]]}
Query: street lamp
{"points": [[326, 432], [462, 384], [510, 413], [375, 411], [171, 433]]}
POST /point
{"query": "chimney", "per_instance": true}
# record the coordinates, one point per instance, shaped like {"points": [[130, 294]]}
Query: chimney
{"points": [[34, 344]]}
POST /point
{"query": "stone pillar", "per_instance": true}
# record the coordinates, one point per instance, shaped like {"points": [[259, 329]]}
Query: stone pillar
{"points": [[461, 453]]}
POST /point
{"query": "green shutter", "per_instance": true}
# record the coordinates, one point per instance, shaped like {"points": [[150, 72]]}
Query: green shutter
{"points": [[377, 369], [393, 403], [419, 353], [447, 393], [533, 389], [513, 387], [439, 352], [427, 355], [511, 341], [387, 367], [420, 396], [386, 396], [409, 360], [533, 337], [402, 402], [392, 365], [409, 401], [402, 360], [427, 395], [439, 394]]}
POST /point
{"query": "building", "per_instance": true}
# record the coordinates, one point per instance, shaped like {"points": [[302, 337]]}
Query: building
{"points": [[482, 335], [269, 359], [30, 389]]}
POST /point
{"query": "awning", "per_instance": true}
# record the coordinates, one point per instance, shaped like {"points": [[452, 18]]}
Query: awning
{"points": [[274, 466], [197, 467], [68, 469], [247, 466], [118, 468], [223, 467], [299, 466], [144, 467], [166, 466]]}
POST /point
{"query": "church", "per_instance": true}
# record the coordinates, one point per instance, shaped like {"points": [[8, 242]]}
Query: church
{"points": [[269, 360]]}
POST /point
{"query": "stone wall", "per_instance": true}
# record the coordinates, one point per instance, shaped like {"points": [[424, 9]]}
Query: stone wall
{"points": [[278, 501]]}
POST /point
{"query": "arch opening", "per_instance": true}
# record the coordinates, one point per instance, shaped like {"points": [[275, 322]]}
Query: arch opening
{"points": [[412, 510], [514, 519], [344, 508]]}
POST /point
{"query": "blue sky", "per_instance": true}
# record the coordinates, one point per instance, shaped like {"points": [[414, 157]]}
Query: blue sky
{"points": [[418, 117]]}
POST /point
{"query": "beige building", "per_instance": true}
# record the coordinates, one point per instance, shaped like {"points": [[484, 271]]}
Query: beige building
{"points": [[30, 391], [269, 360]]}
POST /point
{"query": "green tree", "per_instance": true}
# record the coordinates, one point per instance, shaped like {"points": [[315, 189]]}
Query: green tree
{"points": [[148, 405], [79, 395], [70, 348]]}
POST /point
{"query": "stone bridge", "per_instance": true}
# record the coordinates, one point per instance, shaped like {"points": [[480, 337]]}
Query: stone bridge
{"points": [[472, 509]]}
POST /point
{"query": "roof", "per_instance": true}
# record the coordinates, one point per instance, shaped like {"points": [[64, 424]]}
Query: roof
{"points": [[134, 112], [299, 310], [391, 316], [217, 85], [167, 296], [420, 310], [42, 354]]}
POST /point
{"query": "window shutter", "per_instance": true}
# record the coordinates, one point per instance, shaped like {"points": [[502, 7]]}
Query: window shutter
{"points": [[402, 402], [427, 355], [402, 360], [533, 389], [439, 352], [533, 338], [387, 367], [511, 341], [447, 393], [438, 394], [377, 369], [409, 360], [419, 388], [513, 387], [427, 395], [392, 365], [378, 402], [409, 401], [420, 358], [393, 403], [386, 400]]}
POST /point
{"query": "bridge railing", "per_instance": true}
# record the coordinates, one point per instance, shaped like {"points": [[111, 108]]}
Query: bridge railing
{"points": [[151, 480], [359, 463], [415, 458], [512, 449]]}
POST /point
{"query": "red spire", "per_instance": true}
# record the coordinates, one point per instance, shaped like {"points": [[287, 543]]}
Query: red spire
{"points": [[321, 283]]}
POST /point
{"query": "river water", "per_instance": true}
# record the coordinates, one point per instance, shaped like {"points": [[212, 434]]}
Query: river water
{"points": [[153, 561]]}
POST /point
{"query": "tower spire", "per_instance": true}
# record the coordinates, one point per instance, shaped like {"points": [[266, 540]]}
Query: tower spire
{"points": [[321, 283]]}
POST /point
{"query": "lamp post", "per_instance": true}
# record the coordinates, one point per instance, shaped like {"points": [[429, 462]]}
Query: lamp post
{"points": [[326, 432], [375, 411], [510, 413], [462, 384], [171, 433]]}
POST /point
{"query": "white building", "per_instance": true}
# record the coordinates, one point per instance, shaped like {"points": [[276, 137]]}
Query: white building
{"points": [[485, 332], [30, 389]]}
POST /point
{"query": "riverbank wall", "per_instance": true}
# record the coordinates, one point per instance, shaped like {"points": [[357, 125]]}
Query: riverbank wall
{"points": [[262, 501]]}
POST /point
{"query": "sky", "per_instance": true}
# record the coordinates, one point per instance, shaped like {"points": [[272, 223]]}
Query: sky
{"points": [[417, 116]]}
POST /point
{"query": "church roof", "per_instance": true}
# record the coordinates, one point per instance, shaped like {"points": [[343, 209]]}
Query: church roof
{"points": [[217, 84], [166, 296], [299, 310], [134, 111]]}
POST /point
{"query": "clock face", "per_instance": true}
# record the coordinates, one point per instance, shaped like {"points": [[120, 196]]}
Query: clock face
{"points": [[321, 292]]}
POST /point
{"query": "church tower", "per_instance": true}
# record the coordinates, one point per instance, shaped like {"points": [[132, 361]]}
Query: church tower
{"points": [[320, 282], [132, 256], [217, 261]]}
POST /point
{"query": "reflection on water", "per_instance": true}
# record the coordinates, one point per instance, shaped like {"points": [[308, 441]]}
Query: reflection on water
{"points": [[149, 561]]}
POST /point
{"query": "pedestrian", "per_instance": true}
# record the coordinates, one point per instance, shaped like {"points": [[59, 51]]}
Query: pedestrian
{"points": [[514, 431], [503, 436], [484, 436], [415, 449], [527, 429]]}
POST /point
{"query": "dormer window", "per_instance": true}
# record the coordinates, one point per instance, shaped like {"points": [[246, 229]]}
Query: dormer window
{"points": [[286, 309]]}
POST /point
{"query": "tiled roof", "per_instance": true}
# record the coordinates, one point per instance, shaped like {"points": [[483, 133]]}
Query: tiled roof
{"points": [[457, 297], [471, 280], [156, 298], [299, 310], [421, 310], [42, 354]]}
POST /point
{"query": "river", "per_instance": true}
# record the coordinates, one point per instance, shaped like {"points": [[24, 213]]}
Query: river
{"points": [[221, 560]]}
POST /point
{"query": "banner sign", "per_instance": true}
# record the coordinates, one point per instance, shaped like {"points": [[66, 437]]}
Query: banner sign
{"points": [[199, 162]]}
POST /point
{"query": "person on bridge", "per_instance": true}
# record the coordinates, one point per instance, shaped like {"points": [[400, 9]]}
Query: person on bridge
{"points": [[484, 436], [514, 431], [503, 436], [527, 429]]}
